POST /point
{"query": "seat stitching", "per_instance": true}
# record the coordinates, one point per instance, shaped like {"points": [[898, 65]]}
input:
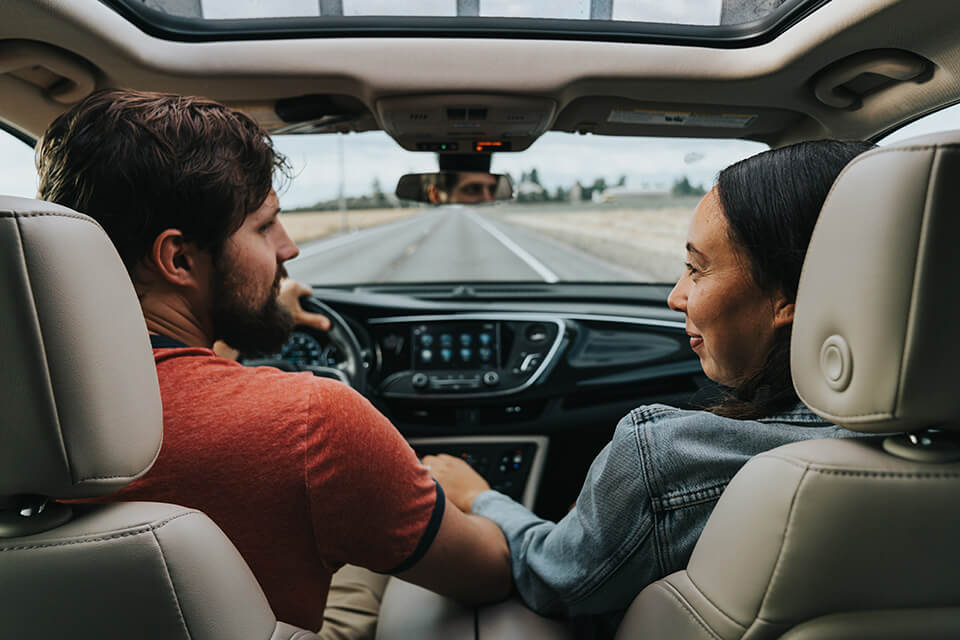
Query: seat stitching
{"points": [[888, 474], [686, 608], [172, 586], [821, 468], [783, 543], [116, 536], [703, 594], [56, 214], [47, 374], [800, 464], [79, 480]]}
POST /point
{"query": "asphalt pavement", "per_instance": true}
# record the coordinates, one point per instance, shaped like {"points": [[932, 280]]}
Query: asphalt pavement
{"points": [[450, 244]]}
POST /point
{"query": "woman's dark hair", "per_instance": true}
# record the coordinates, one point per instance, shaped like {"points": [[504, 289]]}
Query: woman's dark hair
{"points": [[771, 202], [141, 162]]}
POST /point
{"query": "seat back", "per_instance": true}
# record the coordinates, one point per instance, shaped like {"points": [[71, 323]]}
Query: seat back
{"points": [[837, 538], [81, 417]]}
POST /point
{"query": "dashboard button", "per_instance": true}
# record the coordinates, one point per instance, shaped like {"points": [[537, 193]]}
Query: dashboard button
{"points": [[420, 380], [536, 333], [491, 378], [530, 362]]}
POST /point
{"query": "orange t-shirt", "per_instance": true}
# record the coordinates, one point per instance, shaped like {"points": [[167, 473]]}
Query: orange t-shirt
{"points": [[302, 473]]}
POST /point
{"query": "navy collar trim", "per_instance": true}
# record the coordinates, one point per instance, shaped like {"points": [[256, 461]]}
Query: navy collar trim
{"points": [[163, 342]]}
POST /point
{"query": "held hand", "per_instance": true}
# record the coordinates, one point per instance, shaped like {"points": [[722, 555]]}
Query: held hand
{"points": [[460, 482], [290, 293]]}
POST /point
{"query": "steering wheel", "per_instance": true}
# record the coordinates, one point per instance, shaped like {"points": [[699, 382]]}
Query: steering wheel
{"points": [[353, 370]]}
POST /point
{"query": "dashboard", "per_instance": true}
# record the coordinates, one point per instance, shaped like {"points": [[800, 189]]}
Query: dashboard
{"points": [[527, 393]]}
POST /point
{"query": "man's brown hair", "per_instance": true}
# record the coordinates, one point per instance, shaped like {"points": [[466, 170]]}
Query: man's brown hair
{"points": [[141, 162]]}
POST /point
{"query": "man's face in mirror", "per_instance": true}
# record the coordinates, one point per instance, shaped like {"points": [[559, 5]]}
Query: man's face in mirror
{"points": [[474, 187]]}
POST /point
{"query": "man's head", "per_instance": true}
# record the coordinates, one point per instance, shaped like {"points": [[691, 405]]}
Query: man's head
{"points": [[464, 187], [184, 188]]}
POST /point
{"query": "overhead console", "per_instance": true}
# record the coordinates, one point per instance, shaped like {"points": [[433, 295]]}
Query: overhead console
{"points": [[464, 355], [465, 123]]}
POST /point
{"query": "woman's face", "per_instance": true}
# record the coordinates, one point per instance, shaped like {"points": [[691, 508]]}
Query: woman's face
{"points": [[730, 321]]}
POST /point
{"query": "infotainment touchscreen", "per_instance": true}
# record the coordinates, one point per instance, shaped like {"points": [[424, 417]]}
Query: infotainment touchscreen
{"points": [[456, 345]]}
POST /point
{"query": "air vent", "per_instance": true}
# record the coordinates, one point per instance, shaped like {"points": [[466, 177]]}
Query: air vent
{"points": [[419, 116], [476, 114]]}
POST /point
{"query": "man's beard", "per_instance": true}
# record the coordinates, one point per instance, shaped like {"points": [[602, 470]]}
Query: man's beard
{"points": [[262, 330]]}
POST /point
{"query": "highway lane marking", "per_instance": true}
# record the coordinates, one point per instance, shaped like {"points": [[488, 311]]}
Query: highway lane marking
{"points": [[320, 246], [533, 263]]}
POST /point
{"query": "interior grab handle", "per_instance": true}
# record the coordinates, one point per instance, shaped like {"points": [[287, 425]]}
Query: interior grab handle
{"points": [[901, 66], [76, 81]]}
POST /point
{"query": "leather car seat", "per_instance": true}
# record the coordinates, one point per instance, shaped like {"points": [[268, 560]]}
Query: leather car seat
{"points": [[853, 538], [81, 417]]}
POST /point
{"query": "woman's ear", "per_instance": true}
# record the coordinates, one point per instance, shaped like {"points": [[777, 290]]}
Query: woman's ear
{"points": [[782, 312]]}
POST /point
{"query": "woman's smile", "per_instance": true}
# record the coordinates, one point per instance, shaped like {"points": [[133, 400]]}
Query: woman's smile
{"points": [[695, 340]]}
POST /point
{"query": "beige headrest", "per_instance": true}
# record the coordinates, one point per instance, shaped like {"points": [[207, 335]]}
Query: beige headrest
{"points": [[874, 336], [81, 413]]}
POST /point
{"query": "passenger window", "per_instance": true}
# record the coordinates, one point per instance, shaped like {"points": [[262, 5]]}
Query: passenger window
{"points": [[18, 174], [946, 119]]}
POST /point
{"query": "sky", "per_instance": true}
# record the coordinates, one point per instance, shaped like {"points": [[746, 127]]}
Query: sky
{"points": [[560, 159], [674, 11]]}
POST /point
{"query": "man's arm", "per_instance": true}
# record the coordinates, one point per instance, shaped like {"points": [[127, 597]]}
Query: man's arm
{"points": [[469, 560], [373, 504]]}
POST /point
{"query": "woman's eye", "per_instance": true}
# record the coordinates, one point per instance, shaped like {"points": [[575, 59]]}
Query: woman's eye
{"points": [[263, 228]]}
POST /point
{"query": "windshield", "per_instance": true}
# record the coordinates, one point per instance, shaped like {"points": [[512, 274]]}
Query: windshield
{"points": [[586, 209]]}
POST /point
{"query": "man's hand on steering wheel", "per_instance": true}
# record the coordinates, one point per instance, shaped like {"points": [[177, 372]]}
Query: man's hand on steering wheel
{"points": [[290, 293]]}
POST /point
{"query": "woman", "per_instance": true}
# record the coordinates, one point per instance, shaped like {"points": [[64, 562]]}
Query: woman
{"points": [[648, 494]]}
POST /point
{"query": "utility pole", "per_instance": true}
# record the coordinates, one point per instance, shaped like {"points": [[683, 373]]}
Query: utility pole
{"points": [[341, 198]]}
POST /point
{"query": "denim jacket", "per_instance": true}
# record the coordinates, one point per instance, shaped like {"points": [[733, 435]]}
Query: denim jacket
{"points": [[646, 499]]}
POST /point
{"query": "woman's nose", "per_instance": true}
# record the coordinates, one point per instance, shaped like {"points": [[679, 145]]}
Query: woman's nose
{"points": [[677, 300]]}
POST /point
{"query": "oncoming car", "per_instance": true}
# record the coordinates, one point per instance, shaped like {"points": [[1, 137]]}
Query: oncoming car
{"points": [[491, 198]]}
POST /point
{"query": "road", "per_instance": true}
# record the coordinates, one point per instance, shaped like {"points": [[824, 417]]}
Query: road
{"points": [[453, 244]]}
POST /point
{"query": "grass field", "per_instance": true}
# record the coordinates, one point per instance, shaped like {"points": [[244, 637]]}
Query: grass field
{"points": [[310, 225], [649, 240]]}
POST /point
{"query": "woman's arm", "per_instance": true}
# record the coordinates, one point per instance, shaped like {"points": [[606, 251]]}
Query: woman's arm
{"points": [[598, 557]]}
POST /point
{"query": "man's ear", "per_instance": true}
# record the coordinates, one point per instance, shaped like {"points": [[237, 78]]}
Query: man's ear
{"points": [[174, 259], [782, 312]]}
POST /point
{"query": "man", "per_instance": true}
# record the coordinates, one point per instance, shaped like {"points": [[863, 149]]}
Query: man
{"points": [[466, 187], [302, 473]]}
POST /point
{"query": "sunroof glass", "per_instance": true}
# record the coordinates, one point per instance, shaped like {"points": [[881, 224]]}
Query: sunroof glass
{"points": [[689, 12]]}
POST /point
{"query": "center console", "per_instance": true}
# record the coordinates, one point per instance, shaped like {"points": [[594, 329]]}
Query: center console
{"points": [[512, 465], [464, 355]]}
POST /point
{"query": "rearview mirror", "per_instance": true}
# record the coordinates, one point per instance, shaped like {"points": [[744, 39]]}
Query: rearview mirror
{"points": [[454, 187]]}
